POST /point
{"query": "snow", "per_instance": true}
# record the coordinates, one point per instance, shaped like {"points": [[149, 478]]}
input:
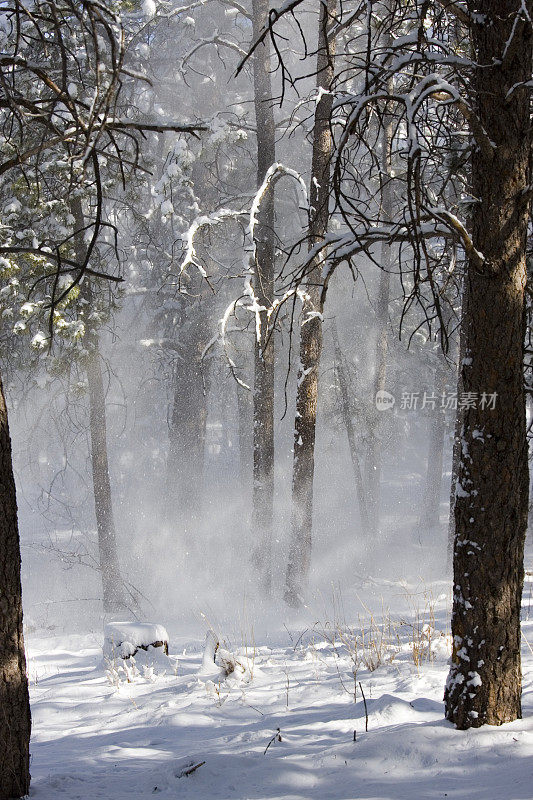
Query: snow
{"points": [[167, 208], [474, 679], [125, 637], [101, 735], [460, 492], [149, 8], [38, 341]]}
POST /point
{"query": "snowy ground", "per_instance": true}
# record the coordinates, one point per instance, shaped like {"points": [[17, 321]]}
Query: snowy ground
{"points": [[96, 735]]}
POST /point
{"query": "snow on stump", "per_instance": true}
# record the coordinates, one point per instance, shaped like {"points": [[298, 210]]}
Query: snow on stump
{"points": [[124, 639]]}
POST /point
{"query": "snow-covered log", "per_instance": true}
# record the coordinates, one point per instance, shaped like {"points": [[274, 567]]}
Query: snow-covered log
{"points": [[124, 639]]}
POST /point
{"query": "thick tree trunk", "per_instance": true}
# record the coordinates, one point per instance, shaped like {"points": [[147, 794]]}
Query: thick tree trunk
{"points": [[484, 684], [311, 329], [263, 397], [347, 418], [113, 585], [15, 720], [430, 514]]}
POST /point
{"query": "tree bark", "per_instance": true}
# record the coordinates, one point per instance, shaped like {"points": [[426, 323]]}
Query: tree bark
{"points": [[15, 720], [374, 449], [245, 411], [456, 459], [430, 516], [263, 395], [484, 683], [114, 596], [186, 456], [112, 582], [347, 418], [311, 329]]}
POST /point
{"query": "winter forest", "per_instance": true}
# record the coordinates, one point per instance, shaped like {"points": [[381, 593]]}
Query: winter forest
{"points": [[266, 353]]}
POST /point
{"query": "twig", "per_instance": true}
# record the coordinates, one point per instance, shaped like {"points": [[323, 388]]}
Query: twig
{"points": [[275, 738], [366, 709], [186, 771], [526, 641], [300, 637]]}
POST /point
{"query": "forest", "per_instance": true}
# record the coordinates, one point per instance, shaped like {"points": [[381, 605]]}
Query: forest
{"points": [[266, 352]]}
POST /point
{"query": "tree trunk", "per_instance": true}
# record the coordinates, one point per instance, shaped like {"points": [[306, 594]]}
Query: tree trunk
{"points": [[484, 684], [374, 450], [430, 515], [311, 329], [15, 720], [456, 458], [114, 596], [113, 585], [263, 396], [347, 418], [245, 411], [186, 457]]}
